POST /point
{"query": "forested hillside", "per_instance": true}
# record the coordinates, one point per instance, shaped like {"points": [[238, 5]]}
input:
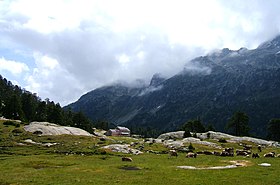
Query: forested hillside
{"points": [[210, 88], [20, 104]]}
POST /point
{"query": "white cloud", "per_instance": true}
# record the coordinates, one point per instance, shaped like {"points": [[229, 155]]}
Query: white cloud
{"points": [[81, 45], [49, 78], [14, 67]]}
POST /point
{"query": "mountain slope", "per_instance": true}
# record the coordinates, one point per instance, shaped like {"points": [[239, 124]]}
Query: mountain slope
{"points": [[211, 88]]}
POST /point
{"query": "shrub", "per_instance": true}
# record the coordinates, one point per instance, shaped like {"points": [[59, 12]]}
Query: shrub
{"points": [[222, 140], [17, 130], [190, 147], [187, 134], [9, 123]]}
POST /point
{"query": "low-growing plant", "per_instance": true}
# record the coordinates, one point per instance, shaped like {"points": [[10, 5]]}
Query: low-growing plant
{"points": [[222, 140], [11, 123], [17, 130], [190, 147]]}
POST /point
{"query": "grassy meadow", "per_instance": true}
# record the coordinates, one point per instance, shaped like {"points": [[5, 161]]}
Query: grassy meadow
{"points": [[79, 160]]}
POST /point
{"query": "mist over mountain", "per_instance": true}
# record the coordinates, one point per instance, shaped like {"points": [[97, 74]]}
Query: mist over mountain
{"points": [[210, 88]]}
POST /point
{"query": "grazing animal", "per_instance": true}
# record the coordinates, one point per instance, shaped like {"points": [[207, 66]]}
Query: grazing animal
{"points": [[208, 153], [217, 153], [228, 152], [242, 152], [278, 156], [173, 153], [270, 154], [260, 148], [247, 147], [128, 159], [191, 155], [255, 155]]}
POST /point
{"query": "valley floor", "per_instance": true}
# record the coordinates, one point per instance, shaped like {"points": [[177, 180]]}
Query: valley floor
{"points": [[80, 160]]}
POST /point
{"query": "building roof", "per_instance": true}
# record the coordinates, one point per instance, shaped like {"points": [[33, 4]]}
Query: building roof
{"points": [[123, 129]]}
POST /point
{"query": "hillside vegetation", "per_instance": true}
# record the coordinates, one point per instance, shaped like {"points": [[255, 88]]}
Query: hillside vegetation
{"points": [[210, 88], [20, 104]]}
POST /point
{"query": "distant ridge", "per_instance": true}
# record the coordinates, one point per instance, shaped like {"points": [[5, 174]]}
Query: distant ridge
{"points": [[211, 88]]}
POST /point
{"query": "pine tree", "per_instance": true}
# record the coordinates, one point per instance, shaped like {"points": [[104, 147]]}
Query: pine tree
{"points": [[239, 122], [13, 108], [274, 129]]}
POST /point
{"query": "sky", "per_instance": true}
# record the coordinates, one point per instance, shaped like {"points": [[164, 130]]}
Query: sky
{"points": [[61, 49]]}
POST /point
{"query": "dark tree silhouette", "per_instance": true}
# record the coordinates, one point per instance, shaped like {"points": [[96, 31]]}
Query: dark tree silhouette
{"points": [[273, 129], [239, 122]]}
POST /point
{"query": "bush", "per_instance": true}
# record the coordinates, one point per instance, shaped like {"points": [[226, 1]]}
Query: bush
{"points": [[187, 134], [17, 131], [191, 148], [222, 140], [11, 123]]}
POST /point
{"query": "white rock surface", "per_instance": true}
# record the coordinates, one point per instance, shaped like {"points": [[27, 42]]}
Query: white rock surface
{"points": [[179, 143], [172, 135], [29, 141], [198, 141], [53, 129], [264, 164], [122, 149], [207, 168], [235, 139]]}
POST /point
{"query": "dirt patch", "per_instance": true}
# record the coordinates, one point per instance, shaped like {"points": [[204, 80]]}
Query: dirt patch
{"points": [[241, 163], [234, 164], [130, 168]]}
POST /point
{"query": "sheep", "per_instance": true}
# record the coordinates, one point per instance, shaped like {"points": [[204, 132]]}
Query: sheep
{"points": [[247, 147], [208, 153], [228, 152], [270, 154], [173, 153], [217, 153], [128, 159], [242, 153], [260, 148], [191, 155], [255, 155]]}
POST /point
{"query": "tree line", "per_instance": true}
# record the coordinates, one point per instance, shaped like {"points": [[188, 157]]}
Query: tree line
{"points": [[238, 125], [20, 104]]}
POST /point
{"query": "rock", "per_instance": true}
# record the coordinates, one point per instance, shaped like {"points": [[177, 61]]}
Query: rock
{"points": [[180, 143], [99, 133], [173, 144], [264, 164], [172, 135], [198, 141], [5, 119], [29, 141], [122, 149], [235, 139], [52, 129]]}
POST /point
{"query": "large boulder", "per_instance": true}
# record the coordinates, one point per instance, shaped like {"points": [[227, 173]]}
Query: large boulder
{"points": [[235, 139], [172, 135], [46, 128], [122, 149], [198, 141]]}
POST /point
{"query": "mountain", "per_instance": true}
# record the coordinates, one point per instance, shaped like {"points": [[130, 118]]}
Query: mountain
{"points": [[210, 88]]}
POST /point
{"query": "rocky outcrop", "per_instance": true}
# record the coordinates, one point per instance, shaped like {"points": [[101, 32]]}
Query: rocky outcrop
{"points": [[122, 149], [180, 143], [172, 135], [46, 128], [235, 139]]}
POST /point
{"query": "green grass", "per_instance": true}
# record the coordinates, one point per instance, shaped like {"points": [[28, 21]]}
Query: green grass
{"points": [[78, 160]]}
